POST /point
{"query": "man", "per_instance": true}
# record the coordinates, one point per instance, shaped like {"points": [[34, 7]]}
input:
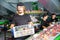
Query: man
{"points": [[44, 22], [53, 18], [20, 18]]}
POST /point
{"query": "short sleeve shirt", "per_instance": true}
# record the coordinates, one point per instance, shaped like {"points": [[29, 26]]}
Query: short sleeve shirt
{"points": [[44, 23], [21, 19], [54, 20]]}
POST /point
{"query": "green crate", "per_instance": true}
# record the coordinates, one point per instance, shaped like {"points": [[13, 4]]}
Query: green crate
{"points": [[57, 38]]}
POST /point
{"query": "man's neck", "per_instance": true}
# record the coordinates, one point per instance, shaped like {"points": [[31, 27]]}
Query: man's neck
{"points": [[21, 14]]}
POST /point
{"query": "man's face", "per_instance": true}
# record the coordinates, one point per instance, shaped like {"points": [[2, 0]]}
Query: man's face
{"points": [[45, 17], [53, 16], [20, 9]]}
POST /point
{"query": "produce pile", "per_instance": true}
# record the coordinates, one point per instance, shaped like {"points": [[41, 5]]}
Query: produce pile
{"points": [[51, 31]]}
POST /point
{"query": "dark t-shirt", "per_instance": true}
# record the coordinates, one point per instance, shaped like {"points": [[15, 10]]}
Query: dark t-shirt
{"points": [[54, 20], [44, 23], [21, 19]]}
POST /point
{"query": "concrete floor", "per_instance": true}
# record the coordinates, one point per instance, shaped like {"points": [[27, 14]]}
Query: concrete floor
{"points": [[2, 36]]}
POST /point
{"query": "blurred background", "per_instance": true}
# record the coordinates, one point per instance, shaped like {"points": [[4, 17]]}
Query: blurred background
{"points": [[33, 7], [8, 7]]}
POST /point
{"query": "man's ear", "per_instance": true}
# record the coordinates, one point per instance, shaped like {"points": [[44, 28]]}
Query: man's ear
{"points": [[24, 8]]}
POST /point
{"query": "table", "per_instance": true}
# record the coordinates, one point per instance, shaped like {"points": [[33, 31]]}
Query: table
{"points": [[38, 36]]}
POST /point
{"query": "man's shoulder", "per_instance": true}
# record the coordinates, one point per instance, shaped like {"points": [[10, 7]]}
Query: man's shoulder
{"points": [[27, 15], [56, 18], [15, 15]]}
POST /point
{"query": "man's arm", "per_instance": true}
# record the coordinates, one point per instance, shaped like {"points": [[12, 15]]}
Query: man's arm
{"points": [[43, 27], [29, 20], [12, 23]]}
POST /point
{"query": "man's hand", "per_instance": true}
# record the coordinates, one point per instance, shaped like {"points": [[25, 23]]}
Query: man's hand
{"points": [[31, 23], [12, 25]]}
